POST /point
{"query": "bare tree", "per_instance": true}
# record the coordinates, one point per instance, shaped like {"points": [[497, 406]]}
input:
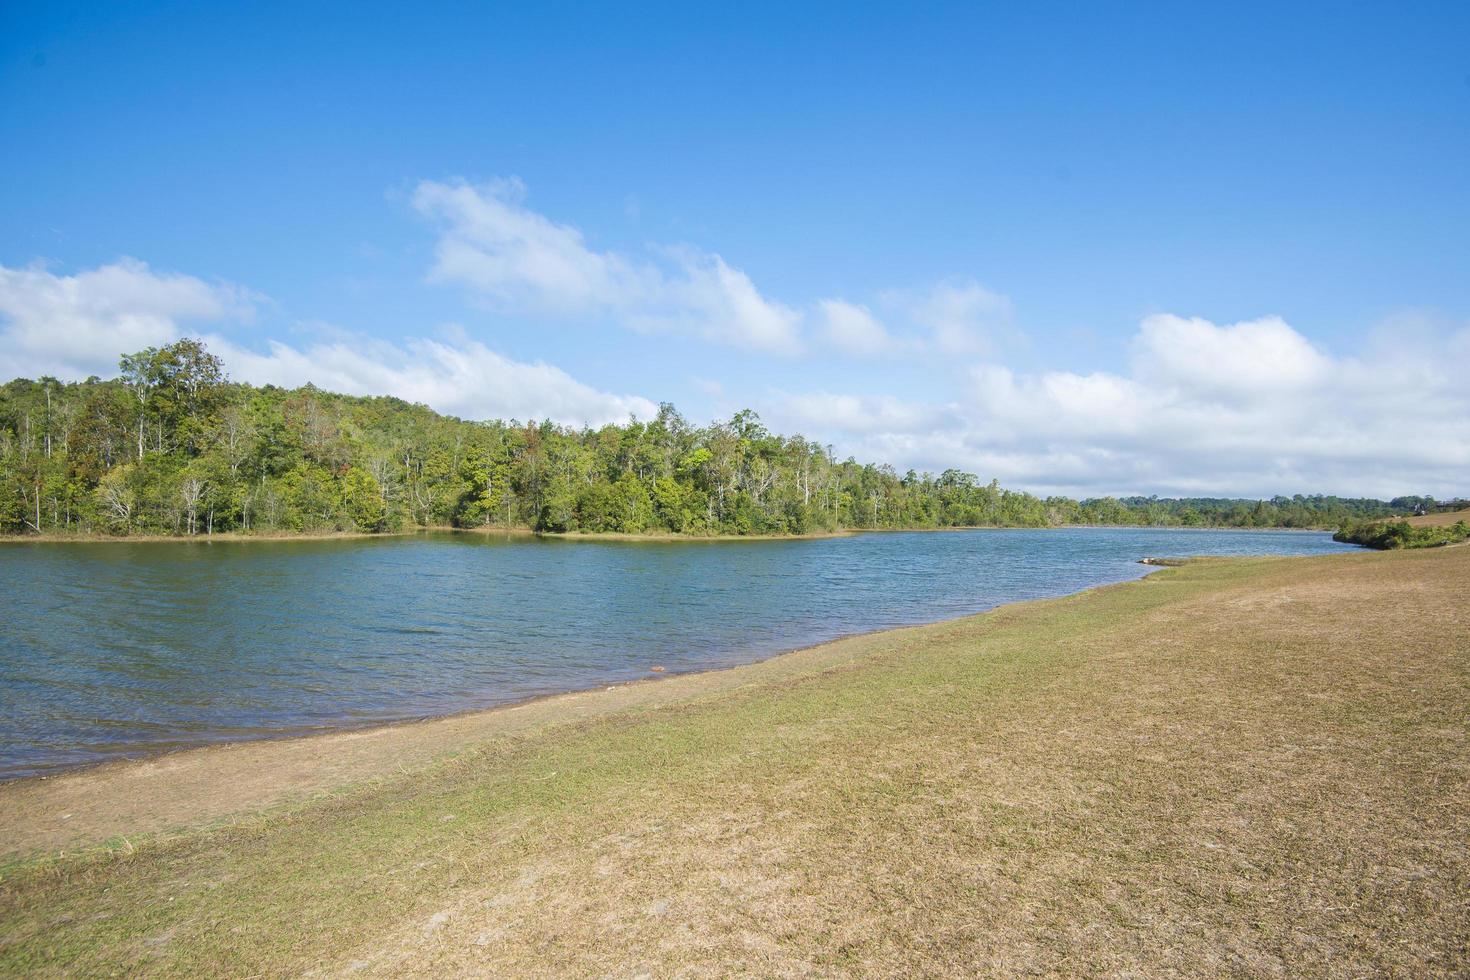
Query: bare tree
{"points": [[237, 429], [119, 500], [385, 471], [37, 522], [272, 507], [191, 492], [47, 383], [140, 377]]}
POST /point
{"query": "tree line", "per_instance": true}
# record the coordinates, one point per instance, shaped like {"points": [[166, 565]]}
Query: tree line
{"points": [[172, 446]]}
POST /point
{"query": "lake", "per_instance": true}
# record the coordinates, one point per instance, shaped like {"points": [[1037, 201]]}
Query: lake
{"points": [[126, 648]]}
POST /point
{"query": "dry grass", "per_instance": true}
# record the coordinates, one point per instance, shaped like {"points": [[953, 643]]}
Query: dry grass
{"points": [[1257, 766], [1440, 520]]}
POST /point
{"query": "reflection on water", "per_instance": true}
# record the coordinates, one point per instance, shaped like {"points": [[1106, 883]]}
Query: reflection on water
{"points": [[123, 648]]}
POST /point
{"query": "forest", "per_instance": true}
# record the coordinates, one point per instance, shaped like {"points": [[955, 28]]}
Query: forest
{"points": [[173, 447]]}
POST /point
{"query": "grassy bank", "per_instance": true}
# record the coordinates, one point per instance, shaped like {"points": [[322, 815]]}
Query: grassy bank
{"points": [[1441, 519], [1253, 765]]}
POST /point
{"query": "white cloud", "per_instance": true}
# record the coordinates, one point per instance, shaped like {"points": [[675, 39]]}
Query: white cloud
{"points": [[867, 414], [950, 318], [75, 326], [1250, 408], [78, 325], [721, 303], [961, 317], [464, 378], [1243, 358], [852, 328], [518, 261]]}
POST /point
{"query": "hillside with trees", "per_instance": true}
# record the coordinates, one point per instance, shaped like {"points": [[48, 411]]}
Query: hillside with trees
{"points": [[172, 447]]}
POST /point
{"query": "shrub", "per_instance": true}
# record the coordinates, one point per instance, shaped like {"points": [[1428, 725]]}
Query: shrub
{"points": [[1392, 535]]}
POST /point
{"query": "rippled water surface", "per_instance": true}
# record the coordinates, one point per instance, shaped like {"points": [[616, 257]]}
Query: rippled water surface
{"points": [[124, 648]]}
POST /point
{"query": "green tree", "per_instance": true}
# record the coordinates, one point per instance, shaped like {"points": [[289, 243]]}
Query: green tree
{"points": [[362, 500]]}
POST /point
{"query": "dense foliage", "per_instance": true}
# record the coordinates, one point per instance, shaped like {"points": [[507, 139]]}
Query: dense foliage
{"points": [[172, 447], [1390, 535]]}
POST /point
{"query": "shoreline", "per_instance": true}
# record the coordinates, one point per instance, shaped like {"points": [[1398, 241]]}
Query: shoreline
{"points": [[661, 538], [69, 787], [509, 532], [144, 757], [142, 753], [124, 760], [232, 537], [223, 536], [124, 754]]}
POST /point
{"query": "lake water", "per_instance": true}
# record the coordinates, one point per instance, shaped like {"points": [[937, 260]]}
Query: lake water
{"points": [[123, 648]]}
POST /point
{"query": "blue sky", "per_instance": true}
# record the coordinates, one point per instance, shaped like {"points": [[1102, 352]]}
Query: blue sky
{"points": [[1093, 248]]}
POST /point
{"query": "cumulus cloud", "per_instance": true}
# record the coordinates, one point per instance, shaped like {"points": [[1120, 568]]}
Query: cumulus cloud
{"points": [[881, 415], [518, 261], [1243, 358], [75, 326], [852, 328], [78, 325], [1247, 408], [465, 378], [721, 303], [957, 317], [950, 318]]}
